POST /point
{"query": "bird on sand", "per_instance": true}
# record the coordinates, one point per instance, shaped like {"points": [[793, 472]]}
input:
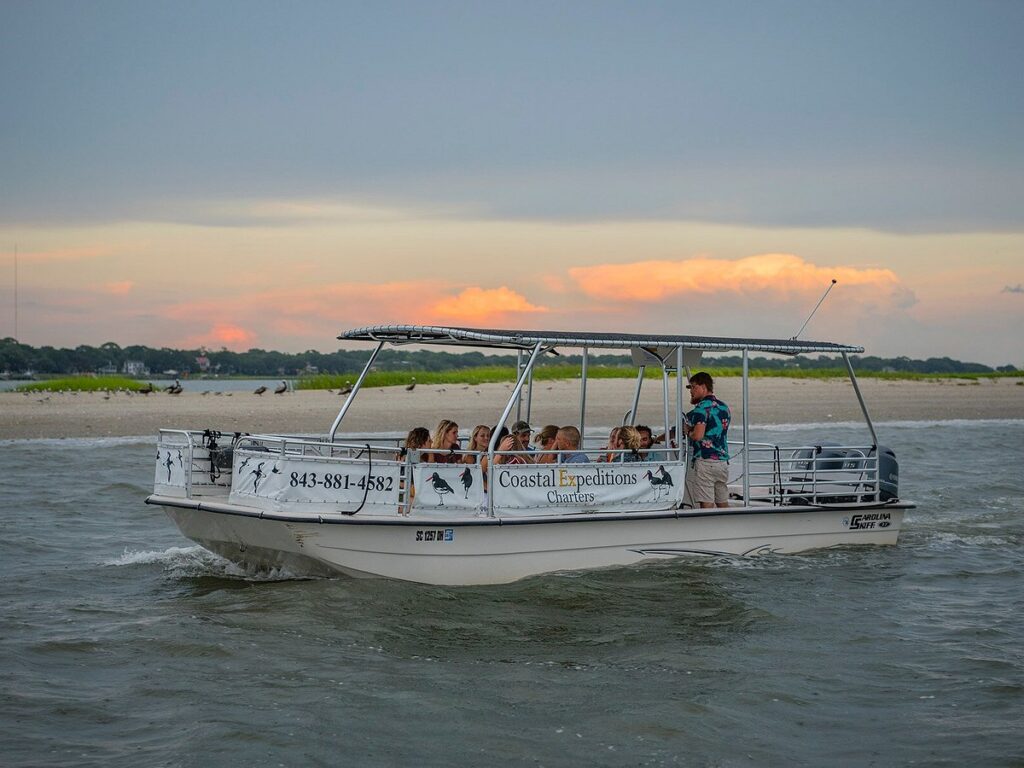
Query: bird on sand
{"points": [[347, 389], [259, 390], [281, 388], [146, 389], [441, 487], [412, 386], [176, 389]]}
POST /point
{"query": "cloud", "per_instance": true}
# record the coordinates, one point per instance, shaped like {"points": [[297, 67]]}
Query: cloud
{"points": [[482, 305], [317, 314], [298, 212], [66, 254], [1018, 288], [777, 275], [221, 335], [118, 288]]}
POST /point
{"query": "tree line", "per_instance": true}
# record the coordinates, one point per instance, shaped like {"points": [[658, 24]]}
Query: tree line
{"points": [[17, 358]]}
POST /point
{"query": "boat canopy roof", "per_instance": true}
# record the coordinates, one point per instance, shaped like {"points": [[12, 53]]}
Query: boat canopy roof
{"points": [[513, 339]]}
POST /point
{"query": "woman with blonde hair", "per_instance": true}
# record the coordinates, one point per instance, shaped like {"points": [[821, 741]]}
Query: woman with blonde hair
{"points": [[444, 443], [477, 443], [545, 442], [629, 440], [613, 444]]}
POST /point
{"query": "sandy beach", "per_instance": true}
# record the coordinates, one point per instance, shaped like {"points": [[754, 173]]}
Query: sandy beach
{"points": [[772, 401]]}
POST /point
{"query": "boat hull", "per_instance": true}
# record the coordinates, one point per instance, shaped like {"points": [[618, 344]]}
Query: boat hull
{"points": [[496, 551]]}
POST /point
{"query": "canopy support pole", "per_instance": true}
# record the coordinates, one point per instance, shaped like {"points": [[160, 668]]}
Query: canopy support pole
{"points": [[519, 369], [631, 416], [680, 388], [665, 400], [746, 427], [860, 399], [504, 417], [352, 394], [583, 398], [529, 395]]}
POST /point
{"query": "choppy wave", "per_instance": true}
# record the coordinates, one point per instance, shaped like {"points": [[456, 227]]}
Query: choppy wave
{"points": [[80, 442], [195, 561]]}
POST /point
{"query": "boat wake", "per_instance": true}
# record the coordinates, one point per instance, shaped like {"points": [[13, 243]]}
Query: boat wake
{"points": [[195, 562]]}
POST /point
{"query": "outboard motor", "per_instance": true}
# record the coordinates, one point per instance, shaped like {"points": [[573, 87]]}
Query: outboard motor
{"points": [[888, 474]]}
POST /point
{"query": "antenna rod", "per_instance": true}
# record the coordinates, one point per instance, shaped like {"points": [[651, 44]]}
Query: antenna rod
{"points": [[16, 292], [813, 311]]}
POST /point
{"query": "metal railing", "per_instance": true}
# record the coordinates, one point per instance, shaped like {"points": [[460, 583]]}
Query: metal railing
{"points": [[816, 475]]}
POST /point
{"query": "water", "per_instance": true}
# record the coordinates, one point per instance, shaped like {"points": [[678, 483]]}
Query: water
{"points": [[122, 644]]}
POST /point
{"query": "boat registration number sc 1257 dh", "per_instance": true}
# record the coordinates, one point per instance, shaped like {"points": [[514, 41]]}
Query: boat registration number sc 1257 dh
{"points": [[868, 521], [446, 534]]}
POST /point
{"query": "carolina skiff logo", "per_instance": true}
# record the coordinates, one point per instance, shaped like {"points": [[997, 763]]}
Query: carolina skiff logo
{"points": [[868, 521], [448, 534]]}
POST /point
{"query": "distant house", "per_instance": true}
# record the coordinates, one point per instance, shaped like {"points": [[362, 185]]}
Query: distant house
{"points": [[107, 370], [135, 368], [203, 362], [310, 369]]}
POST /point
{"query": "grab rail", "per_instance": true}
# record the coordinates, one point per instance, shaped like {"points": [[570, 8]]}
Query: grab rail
{"points": [[811, 474]]}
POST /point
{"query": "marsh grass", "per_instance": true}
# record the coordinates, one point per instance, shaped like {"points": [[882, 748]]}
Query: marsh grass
{"points": [[83, 384], [504, 374]]}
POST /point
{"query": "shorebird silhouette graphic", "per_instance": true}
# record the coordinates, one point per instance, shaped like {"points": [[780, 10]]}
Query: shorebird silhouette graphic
{"points": [[658, 483], [244, 463], [258, 473], [467, 480], [441, 487], [169, 463], [666, 478]]}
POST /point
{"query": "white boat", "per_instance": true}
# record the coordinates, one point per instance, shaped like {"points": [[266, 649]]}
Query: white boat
{"points": [[333, 504]]}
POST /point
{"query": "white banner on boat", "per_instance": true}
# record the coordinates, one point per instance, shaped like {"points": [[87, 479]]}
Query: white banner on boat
{"points": [[448, 486], [335, 485], [611, 487], [170, 465]]}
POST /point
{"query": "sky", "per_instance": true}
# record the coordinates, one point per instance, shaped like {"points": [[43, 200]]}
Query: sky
{"points": [[266, 174]]}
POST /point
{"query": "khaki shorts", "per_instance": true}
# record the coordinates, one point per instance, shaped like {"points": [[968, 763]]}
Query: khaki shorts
{"points": [[706, 481]]}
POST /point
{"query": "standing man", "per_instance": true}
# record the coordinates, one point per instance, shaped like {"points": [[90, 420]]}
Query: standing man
{"points": [[707, 427]]}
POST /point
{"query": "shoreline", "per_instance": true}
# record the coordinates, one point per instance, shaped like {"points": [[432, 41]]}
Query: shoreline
{"points": [[393, 409]]}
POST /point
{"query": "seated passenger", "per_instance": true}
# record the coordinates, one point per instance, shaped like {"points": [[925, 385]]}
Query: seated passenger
{"points": [[629, 444], [445, 443], [545, 440], [567, 443], [522, 430], [646, 439], [613, 440], [671, 455], [417, 439], [477, 443]]}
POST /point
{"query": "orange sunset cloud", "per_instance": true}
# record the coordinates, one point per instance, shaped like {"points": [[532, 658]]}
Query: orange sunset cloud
{"points": [[325, 310], [475, 304], [780, 273]]}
